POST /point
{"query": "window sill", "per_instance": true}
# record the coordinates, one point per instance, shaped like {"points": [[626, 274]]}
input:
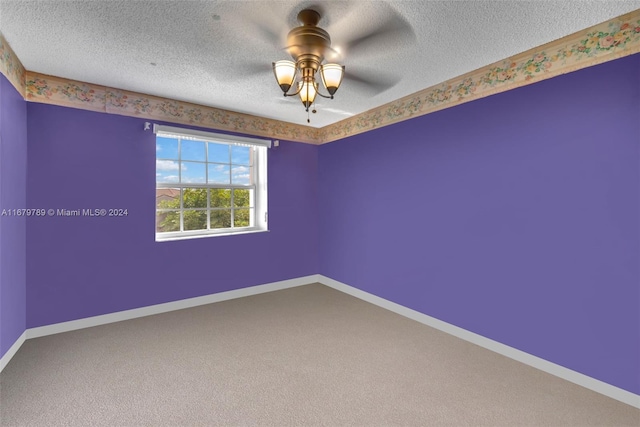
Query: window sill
{"points": [[185, 236]]}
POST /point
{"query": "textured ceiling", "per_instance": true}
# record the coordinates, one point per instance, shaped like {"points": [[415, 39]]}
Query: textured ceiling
{"points": [[219, 53]]}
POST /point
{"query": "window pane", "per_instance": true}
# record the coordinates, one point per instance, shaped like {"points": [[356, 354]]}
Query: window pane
{"points": [[194, 198], [192, 150], [218, 153], [219, 174], [166, 148], [242, 217], [195, 220], [220, 218], [167, 221], [242, 198], [220, 198], [240, 155], [167, 198], [193, 173], [190, 168], [167, 171], [241, 175]]}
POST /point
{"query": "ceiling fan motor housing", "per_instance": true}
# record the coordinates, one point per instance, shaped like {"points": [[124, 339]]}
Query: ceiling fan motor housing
{"points": [[308, 43]]}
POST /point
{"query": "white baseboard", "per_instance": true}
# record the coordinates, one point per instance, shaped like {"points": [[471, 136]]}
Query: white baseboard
{"points": [[515, 354], [4, 360], [119, 316], [150, 310], [510, 352]]}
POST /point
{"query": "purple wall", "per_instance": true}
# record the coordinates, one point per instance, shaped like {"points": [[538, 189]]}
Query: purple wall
{"points": [[515, 216], [81, 266], [13, 193]]}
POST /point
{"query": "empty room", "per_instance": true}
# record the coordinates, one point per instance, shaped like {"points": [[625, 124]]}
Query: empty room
{"points": [[338, 213]]}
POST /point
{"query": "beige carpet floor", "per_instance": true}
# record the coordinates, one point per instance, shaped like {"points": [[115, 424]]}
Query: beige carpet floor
{"points": [[302, 356]]}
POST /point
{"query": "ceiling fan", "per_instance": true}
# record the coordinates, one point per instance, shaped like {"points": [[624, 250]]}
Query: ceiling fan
{"points": [[310, 48], [308, 45]]}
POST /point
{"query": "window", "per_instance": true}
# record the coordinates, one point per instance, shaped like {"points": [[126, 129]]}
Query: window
{"points": [[209, 184]]}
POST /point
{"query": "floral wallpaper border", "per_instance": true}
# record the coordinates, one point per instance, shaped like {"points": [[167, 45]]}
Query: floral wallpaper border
{"points": [[11, 66], [69, 93], [604, 42]]}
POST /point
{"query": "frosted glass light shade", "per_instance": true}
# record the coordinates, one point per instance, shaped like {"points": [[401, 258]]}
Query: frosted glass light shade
{"points": [[308, 92], [285, 72], [332, 77]]}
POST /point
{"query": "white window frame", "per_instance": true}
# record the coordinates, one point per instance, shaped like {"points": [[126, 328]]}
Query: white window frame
{"points": [[260, 219]]}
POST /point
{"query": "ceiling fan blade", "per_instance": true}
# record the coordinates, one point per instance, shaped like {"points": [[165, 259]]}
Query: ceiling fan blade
{"points": [[395, 31], [267, 34], [254, 68], [265, 27], [251, 69], [334, 55], [370, 82]]}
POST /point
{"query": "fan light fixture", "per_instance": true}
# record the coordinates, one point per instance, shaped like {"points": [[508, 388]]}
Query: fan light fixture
{"points": [[308, 45]]}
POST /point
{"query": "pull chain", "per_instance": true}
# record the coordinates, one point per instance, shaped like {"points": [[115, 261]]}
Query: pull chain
{"points": [[313, 106]]}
